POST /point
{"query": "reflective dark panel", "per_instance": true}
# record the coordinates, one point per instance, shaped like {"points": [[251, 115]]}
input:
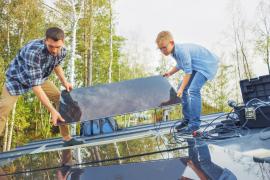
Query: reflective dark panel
{"points": [[108, 100], [158, 170], [112, 156], [58, 164], [195, 159]]}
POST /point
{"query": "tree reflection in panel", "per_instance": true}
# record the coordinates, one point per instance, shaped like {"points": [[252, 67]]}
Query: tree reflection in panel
{"points": [[198, 160]]}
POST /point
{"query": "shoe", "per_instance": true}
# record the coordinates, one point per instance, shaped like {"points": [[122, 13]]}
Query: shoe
{"points": [[183, 124], [72, 142], [189, 130]]}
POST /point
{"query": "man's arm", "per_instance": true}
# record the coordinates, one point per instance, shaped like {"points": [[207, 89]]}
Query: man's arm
{"points": [[185, 81], [45, 101], [61, 76], [171, 72]]}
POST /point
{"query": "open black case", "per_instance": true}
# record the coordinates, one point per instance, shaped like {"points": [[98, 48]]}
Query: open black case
{"points": [[255, 112]]}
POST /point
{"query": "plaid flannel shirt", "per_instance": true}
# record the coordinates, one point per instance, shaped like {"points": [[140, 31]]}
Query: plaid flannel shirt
{"points": [[31, 67]]}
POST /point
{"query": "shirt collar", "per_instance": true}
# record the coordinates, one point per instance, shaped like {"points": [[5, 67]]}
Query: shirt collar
{"points": [[173, 51], [45, 48]]}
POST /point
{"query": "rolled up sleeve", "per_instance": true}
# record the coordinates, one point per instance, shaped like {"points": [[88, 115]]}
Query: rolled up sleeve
{"points": [[185, 59], [178, 66]]}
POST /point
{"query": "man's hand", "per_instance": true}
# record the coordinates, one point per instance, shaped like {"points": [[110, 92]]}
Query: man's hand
{"points": [[166, 74], [180, 93], [170, 72], [55, 117], [68, 86]]}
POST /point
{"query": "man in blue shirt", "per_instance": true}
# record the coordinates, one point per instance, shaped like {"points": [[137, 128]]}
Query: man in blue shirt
{"points": [[199, 65], [30, 69]]}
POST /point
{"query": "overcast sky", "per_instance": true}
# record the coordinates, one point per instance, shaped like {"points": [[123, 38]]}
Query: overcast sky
{"points": [[204, 22], [198, 21]]}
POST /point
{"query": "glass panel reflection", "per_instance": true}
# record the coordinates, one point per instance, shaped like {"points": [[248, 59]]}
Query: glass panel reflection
{"points": [[197, 160], [116, 98], [53, 164]]}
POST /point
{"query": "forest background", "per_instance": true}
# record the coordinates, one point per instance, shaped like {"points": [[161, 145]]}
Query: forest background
{"points": [[98, 55]]}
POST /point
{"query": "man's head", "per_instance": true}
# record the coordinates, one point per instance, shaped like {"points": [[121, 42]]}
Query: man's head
{"points": [[165, 42], [54, 40]]}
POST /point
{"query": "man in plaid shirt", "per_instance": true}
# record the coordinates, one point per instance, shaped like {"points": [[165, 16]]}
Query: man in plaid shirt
{"points": [[30, 69]]}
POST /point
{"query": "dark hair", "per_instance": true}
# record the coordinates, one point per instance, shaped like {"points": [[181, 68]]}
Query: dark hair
{"points": [[55, 33]]}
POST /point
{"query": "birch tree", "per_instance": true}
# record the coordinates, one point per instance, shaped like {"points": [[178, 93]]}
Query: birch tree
{"points": [[111, 42], [6, 136], [262, 30], [75, 16], [74, 10], [90, 49], [240, 39], [11, 127]]}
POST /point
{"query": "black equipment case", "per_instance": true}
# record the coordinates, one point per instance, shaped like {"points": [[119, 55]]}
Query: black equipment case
{"points": [[252, 89]]}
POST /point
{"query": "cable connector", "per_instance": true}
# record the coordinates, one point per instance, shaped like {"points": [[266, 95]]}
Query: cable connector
{"points": [[199, 134], [250, 113]]}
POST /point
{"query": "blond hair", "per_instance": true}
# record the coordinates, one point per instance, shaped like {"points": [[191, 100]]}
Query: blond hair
{"points": [[164, 36]]}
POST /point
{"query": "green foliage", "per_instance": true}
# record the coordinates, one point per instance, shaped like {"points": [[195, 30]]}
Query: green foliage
{"points": [[217, 92], [22, 21]]}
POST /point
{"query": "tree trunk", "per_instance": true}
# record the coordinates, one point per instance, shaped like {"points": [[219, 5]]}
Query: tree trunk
{"points": [[8, 42], [237, 56], [75, 19], [11, 127], [117, 152], [267, 50], [111, 43], [5, 137], [264, 8], [90, 50], [72, 52], [119, 72], [90, 62]]}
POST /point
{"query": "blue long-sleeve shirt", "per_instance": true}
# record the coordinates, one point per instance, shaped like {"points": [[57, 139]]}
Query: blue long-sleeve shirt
{"points": [[191, 57]]}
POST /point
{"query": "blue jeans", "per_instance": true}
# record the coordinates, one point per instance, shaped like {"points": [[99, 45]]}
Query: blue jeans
{"points": [[191, 99], [199, 153]]}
